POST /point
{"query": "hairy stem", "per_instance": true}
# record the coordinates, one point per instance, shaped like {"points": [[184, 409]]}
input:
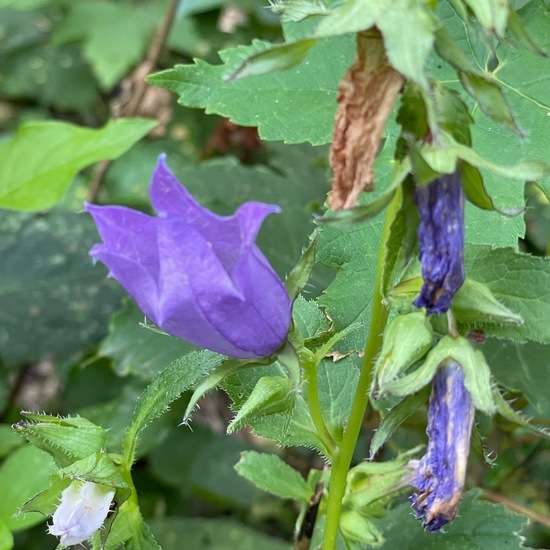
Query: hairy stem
{"points": [[342, 460]]}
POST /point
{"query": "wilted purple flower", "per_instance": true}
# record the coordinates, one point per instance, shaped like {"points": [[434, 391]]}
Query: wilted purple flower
{"points": [[441, 241], [82, 511], [442, 470], [198, 276]]}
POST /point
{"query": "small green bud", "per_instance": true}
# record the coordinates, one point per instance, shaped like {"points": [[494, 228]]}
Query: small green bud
{"points": [[475, 303], [406, 340]]}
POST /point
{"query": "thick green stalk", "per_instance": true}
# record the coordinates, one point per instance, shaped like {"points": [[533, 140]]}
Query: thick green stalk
{"points": [[342, 460]]}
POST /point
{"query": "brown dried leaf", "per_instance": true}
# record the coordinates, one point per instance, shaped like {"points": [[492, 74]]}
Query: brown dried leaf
{"points": [[366, 95]]}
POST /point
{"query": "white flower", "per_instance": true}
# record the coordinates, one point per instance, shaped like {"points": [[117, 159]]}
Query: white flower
{"points": [[82, 511]]}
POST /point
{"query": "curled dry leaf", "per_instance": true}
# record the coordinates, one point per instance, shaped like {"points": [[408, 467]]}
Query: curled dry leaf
{"points": [[366, 95]]}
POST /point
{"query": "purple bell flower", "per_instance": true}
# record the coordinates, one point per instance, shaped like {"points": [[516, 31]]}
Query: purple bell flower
{"points": [[198, 276], [441, 241], [441, 472]]}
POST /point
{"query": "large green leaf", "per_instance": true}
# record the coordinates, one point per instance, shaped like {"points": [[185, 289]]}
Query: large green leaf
{"points": [[521, 367], [39, 163], [479, 525], [521, 282], [269, 473], [53, 300], [293, 106], [106, 27], [353, 251], [25, 472]]}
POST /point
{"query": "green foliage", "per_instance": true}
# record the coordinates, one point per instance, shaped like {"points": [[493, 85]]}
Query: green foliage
{"points": [[306, 94], [475, 99], [269, 473], [39, 163], [480, 525], [59, 298], [24, 473]]}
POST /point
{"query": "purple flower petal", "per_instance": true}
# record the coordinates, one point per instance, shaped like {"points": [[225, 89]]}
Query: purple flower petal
{"points": [[441, 473], [197, 275], [441, 241]]}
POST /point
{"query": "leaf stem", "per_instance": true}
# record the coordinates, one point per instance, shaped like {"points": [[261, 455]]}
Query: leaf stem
{"points": [[342, 460], [310, 369]]}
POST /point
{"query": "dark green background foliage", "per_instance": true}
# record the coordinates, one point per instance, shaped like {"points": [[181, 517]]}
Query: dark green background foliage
{"points": [[71, 343]]}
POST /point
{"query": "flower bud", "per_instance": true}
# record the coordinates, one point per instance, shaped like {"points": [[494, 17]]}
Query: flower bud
{"points": [[82, 511]]}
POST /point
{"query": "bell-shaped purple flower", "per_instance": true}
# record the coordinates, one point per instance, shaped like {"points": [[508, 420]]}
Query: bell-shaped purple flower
{"points": [[441, 472], [441, 241], [198, 276]]}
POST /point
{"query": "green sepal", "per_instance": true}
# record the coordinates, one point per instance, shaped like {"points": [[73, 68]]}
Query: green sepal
{"points": [[356, 527], [477, 375], [370, 485], [226, 368], [406, 340], [522, 36], [275, 58], [65, 439], [271, 395], [491, 14], [474, 303], [300, 274]]}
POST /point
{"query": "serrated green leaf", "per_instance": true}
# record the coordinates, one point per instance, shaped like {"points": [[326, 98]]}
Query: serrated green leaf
{"points": [[309, 318], [65, 439], [521, 283], [353, 251], [25, 472], [521, 367], [337, 382], [505, 410], [307, 92], [269, 473], [480, 524], [166, 387], [39, 163], [271, 395]]}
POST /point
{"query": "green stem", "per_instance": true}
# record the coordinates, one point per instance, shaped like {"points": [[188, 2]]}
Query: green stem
{"points": [[342, 460], [310, 369]]}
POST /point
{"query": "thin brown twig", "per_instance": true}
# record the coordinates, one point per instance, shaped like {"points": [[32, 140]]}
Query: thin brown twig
{"points": [[516, 507], [140, 87]]}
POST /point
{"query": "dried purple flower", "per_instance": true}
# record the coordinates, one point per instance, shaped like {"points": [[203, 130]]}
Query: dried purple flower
{"points": [[441, 472], [441, 241], [198, 276]]}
